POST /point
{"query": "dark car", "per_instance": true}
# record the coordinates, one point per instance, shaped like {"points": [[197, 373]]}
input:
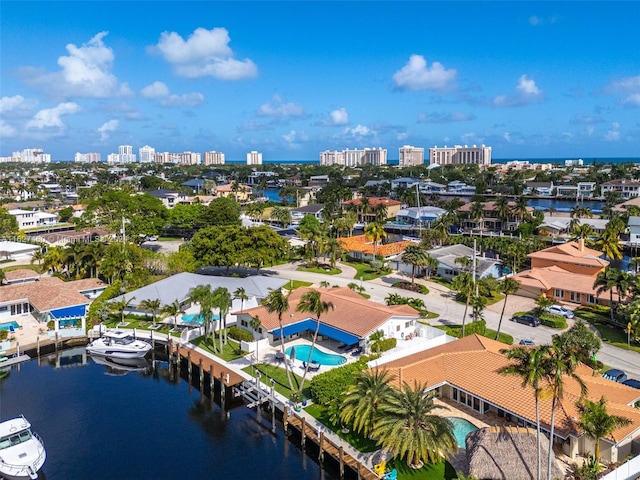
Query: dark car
{"points": [[615, 375], [527, 343], [527, 319], [632, 382]]}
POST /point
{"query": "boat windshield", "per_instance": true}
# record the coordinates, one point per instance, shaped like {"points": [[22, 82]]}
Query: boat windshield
{"points": [[15, 439], [123, 340]]}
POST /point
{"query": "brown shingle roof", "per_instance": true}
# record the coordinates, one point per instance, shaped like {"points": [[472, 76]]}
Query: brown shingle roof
{"points": [[360, 243], [20, 274], [571, 252]]}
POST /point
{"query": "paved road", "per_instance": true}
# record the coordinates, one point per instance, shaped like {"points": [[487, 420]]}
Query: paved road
{"points": [[440, 301]]}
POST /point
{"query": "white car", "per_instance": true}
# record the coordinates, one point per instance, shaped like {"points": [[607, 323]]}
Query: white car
{"points": [[560, 310]]}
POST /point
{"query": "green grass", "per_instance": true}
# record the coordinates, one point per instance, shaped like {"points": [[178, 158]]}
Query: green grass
{"points": [[431, 315], [21, 267], [293, 284], [365, 271], [355, 439], [456, 331], [441, 281], [325, 271], [431, 471], [494, 298], [268, 372], [611, 334], [231, 351]]}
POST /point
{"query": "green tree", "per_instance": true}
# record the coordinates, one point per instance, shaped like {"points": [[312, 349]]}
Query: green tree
{"points": [[152, 306], [121, 305], [311, 302], [172, 309], [508, 286], [221, 211], [609, 244], [597, 423], [241, 294], [222, 300], [277, 302], [463, 284], [363, 400], [580, 340], [38, 256], [282, 215], [415, 256], [206, 299], [606, 282], [374, 232], [530, 365], [255, 325], [409, 427]]}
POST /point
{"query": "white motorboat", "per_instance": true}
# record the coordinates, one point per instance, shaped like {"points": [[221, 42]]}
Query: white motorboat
{"points": [[118, 344], [22, 452]]}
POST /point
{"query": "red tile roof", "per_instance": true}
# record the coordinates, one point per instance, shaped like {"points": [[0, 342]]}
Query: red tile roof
{"points": [[373, 201], [360, 243]]}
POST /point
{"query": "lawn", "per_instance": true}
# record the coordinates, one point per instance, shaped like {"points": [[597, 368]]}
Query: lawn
{"points": [[358, 441], [21, 267], [268, 372], [325, 271], [365, 271], [293, 284], [609, 333], [456, 331], [230, 351]]}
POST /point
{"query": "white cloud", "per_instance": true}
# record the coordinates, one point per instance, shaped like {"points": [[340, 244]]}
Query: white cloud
{"points": [[417, 75], [359, 131], [6, 130], [51, 118], [537, 21], [277, 108], [340, 117], [471, 138], [107, 128], [628, 87], [613, 135], [186, 99], [293, 139], [206, 53], [85, 72], [443, 117], [155, 90], [527, 92], [402, 136], [11, 103], [507, 137]]}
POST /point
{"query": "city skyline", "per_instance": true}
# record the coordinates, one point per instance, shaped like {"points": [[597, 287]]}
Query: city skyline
{"points": [[293, 79]]}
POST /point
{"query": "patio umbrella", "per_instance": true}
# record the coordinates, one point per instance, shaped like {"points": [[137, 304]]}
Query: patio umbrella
{"points": [[292, 355]]}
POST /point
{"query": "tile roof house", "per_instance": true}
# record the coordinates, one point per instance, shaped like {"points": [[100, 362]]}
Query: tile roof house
{"points": [[367, 215], [466, 372], [361, 248], [353, 319], [565, 273], [491, 219]]}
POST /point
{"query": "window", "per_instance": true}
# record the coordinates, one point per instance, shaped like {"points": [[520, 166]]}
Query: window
{"points": [[243, 323], [397, 328], [455, 394], [407, 324], [592, 299], [575, 297], [463, 397], [558, 293]]}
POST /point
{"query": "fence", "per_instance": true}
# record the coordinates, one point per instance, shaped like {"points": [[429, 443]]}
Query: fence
{"points": [[627, 471]]}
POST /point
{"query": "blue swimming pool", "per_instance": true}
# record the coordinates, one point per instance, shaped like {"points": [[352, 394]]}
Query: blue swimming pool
{"points": [[197, 318], [7, 325], [462, 428], [302, 354]]}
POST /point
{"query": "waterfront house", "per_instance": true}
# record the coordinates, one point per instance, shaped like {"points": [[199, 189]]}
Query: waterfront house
{"points": [[240, 195], [403, 182], [314, 209], [634, 230], [490, 219], [367, 214], [353, 319], [418, 216], [362, 248], [169, 198], [543, 189], [465, 372], [565, 273], [626, 188]]}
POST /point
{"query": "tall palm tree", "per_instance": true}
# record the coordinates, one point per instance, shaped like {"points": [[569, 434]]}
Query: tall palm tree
{"points": [[222, 300], [476, 213], [561, 364], [415, 256], [363, 400], [311, 302], [241, 294], [152, 306], [172, 309], [121, 305], [609, 244], [333, 248], [205, 298], [502, 209], [409, 428], [281, 214], [255, 324], [508, 286], [530, 365], [374, 232], [597, 423], [3, 276], [38, 256], [520, 208], [277, 302], [606, 282], [463, 284]]}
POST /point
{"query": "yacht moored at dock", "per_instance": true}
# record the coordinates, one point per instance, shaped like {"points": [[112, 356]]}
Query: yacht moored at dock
{"points": [[118, 344], [22, 452]]}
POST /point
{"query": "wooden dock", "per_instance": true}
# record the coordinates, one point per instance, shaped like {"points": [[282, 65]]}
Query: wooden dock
{"points": [[216, 368], [328, 447]]}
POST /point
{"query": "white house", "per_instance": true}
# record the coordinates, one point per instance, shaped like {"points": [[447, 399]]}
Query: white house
{"points": [[634, 230]]}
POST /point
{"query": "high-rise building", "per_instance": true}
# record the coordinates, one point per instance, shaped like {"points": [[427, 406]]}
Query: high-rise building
{"points": [[92, 157], [331, 157], [459, 155], [28, 155], [213, 158], [146, 154], [254, 158], [375, 156], [126, 155], [190, 158], [410, 156]]}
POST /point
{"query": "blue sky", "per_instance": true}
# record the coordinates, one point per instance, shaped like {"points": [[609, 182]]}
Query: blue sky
{"points": [[291, 79]]}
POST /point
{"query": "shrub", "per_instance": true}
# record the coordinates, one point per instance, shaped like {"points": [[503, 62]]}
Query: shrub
{"points": [[4, 334], [333, 383], [108, 293], [416, 287], [553, 321], [384, 344], [239, 334]]}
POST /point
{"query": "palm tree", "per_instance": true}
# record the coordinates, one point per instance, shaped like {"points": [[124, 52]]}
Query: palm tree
{"points": [[409, 428], [152, 306], [414, 255], [311, 302], [508, 286], [363, 400], [463, 284], [606, 282], [121, 305], [478, 304], [255, 324], [54, 259], [281, 214], [3, 276], [241, 295], [476, 213], [374, 232], [38, 256], [609, 244], [581, 230], [520, 208], [380, 211], [222, 300], [597, 423], [560, 365], [333, 248], [530, 365], [172, 309], [205, 298], [502, 209], [324, 284], [277, 302]]}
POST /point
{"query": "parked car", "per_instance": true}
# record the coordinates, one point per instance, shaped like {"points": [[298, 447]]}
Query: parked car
{"points": [[632, 382], [615, 375], [527, 343], [560, 310], [527, 319]]}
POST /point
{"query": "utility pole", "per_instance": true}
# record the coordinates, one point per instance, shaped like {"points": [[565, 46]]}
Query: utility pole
{"points": [[473, 259]]}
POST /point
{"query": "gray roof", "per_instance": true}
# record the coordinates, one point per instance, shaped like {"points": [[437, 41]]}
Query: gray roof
{"points": [[312, 208], [634, 222], [447, 256], [426, 212], [177, 287]]}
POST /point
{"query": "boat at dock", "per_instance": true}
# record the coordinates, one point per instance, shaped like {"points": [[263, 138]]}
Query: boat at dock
{"points": [[118, 344], [22, 452]]}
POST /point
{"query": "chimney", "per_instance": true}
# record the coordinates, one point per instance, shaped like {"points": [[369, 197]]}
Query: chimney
{"points": [[581, 244]]}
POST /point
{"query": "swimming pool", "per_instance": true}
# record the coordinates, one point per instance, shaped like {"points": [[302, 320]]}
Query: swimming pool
{"points": [[197, 318], [5, 326], [302, 354], [462, 428]]}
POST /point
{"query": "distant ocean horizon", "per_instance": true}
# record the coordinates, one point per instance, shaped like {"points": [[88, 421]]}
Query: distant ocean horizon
{"points": [[560, 160]]}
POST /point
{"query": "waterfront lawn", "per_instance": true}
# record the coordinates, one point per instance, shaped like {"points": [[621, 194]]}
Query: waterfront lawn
{"points": [[268, 372], [431, 471], [365, 271], [230, 351], [363, 444], [323, 270]]}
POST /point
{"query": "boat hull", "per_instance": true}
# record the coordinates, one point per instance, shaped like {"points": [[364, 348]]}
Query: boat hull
{"points": [[117, 353]]}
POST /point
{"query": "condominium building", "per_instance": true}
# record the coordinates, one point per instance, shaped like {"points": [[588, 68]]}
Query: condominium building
{"points": [[354, 158], [191, 158], [92, 157], [146, 154], [166, 157], [125, 155], [375, 156], [459, 155], [410, 156], [213, 158], [28, 155], [331, 157], [254, 158]]}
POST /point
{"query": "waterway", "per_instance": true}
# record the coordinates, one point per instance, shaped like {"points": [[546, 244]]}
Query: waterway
{"points": [[142, 425]]}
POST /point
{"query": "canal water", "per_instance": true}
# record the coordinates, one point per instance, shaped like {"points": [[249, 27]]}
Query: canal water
{"points": [[98, 423]]}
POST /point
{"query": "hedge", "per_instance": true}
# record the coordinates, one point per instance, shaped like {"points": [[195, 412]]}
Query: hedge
{"points": [[554, 321], [332, 384], [239, 334], [384, 344]]}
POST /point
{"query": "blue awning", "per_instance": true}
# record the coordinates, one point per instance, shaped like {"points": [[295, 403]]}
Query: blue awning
{"points": [[324, 330], [75, 311]]}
